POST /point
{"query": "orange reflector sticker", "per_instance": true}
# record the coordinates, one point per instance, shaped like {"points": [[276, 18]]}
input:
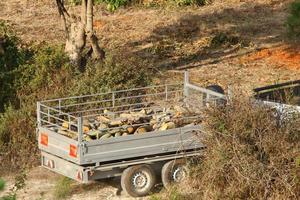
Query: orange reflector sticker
{"points": [[73, 151], [44, 139]]}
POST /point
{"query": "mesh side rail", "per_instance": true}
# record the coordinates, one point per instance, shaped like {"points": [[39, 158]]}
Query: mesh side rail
{"points": [[109, 96], [127, 103], [200, 98], [50, 117], [60, 117], [123, 101]]}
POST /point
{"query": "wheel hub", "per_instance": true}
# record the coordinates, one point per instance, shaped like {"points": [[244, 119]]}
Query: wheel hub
{"points": [[139, 180], [179, 174]]}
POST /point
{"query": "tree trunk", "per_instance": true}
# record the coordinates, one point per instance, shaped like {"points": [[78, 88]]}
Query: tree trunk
{"points": [[78, 30], [75, 42], [98, 53]]}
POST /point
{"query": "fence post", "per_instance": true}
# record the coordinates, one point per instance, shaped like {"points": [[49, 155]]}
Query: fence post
{"points": [[80, 131], [69, 122], [38, 113], [166, 91], [113, 99], [186, 82], [59, 106], [48, 113]]}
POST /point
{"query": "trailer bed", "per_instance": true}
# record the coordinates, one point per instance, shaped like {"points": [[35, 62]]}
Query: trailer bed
{"points": [[68, 114], [284, 97]]}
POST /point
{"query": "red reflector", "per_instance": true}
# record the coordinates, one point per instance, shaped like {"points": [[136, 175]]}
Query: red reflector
{"points": [[73, 151], [44, 139], [79, 175], [50, 164]]}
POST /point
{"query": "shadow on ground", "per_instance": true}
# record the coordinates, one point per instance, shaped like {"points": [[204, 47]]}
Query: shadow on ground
{"points": [[187, 43]]}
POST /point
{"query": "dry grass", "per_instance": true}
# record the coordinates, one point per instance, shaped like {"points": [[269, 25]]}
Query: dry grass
{"points": [[250, 155], [176, 38]]}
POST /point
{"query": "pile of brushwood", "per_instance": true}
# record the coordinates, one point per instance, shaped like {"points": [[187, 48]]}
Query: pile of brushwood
{"points": [[250, 154]]}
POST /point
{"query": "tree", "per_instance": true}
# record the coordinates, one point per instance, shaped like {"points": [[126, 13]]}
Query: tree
{"points": [[79, 32]]}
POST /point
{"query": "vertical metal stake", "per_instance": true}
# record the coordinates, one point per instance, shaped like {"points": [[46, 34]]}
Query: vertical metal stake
{"points": [[113, 99], [38, 114], [69, 121], [186, 82], [80, 131], [48, 114], [166, 91]]}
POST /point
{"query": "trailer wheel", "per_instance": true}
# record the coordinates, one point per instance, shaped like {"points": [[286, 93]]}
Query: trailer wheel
{"points": [[173, 171], [218, 89], [138, 181]]}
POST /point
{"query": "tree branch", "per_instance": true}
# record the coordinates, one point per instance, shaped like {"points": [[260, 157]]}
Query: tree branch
{"points": [[84, 12], [61, 8], [89, 25]]}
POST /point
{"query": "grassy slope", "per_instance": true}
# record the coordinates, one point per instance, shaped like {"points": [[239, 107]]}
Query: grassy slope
{"points": [[176, 38]]}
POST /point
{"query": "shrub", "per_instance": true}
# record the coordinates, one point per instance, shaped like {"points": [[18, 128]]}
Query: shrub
{"points": [[44, 72], [9, 197], [63, 188], [224, 40], [249, 155], [11, 57], [74, 2], [113, 74], [17, 139], [47, 68], [293, 20]]}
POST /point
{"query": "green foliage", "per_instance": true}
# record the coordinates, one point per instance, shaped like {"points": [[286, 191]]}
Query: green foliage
{"points": [[20, 181], [63, 188], [74, 2], [113, 74], [17, 138], [19, 184], [2, 184], [293, 20], [45, 73], [13, 55], [9, 197], [224, 39], [42, 69], [10, 59], [113, 5]]}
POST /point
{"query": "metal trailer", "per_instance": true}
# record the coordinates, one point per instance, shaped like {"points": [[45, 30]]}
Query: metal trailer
{"points": [[284, 97], [136, 158]]}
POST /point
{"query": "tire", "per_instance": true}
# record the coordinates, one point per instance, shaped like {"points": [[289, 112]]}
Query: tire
{"points": [[138, 181], [169, 172], [218, 89]]}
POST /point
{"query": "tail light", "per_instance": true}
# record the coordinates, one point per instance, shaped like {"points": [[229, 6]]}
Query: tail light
{"points": [[44, 139], [73, 151]]}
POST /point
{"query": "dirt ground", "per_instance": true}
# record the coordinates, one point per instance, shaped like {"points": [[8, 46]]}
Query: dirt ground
{"points": [[172, 39], [40, 185]]}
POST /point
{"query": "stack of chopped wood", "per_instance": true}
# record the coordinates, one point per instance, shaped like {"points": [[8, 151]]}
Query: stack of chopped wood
{"points": [[110, 124]]}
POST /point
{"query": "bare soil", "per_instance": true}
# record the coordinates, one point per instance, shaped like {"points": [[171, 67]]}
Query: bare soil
{"points": [[172, 39], [40, 185]]}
